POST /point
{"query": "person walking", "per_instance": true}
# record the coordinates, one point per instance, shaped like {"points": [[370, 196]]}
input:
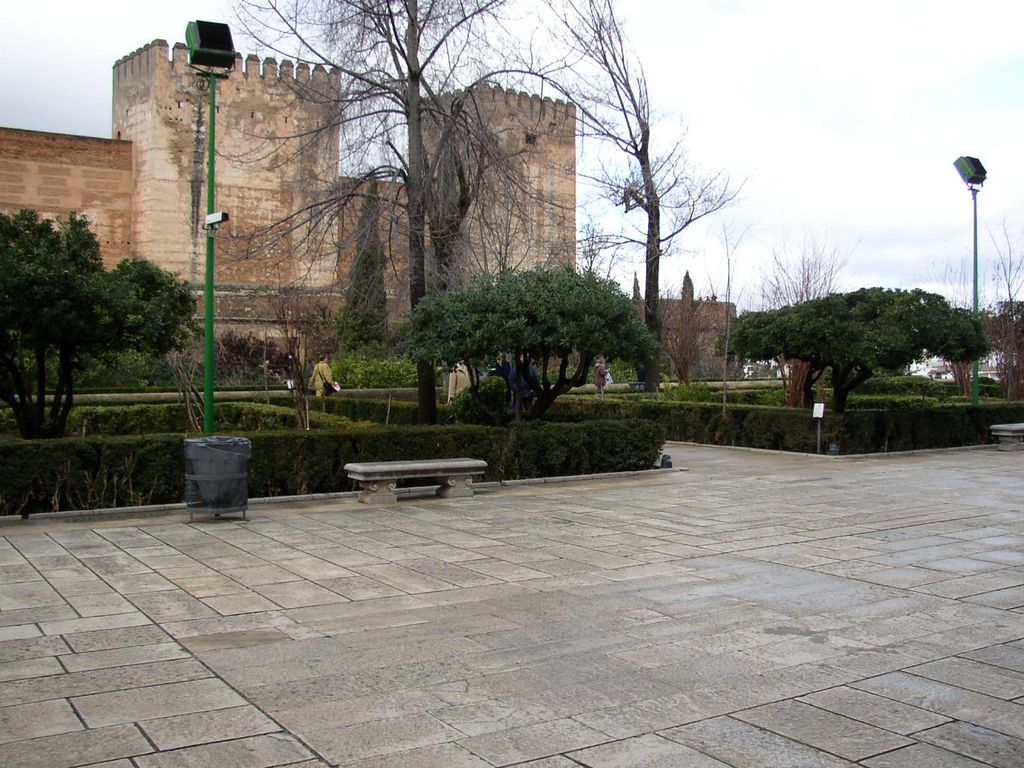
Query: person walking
{"points": [[503, 368], [322, 380], [600, 376]]}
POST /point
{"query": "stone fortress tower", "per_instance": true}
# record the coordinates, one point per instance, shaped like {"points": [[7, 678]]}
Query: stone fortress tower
{"points": [[530, 221], [160, 107]]}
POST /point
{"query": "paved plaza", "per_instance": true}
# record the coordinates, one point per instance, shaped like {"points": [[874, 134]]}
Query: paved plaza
{"points": [[755, 610]]}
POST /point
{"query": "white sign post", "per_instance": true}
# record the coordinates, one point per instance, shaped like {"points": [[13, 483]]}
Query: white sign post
{"points": [[819, 414]]}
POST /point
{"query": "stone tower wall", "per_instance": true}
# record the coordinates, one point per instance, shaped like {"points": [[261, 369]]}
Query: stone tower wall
{"points": [[540, 134], [162, 107]]}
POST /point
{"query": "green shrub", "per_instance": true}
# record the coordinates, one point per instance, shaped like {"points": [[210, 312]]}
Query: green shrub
{"points": [[907, 386], [692, 393], [539, 449], [127, 369], [771, 396], [858, 402], [493, 391], [356, 371], [989, 387], [49, 475]]}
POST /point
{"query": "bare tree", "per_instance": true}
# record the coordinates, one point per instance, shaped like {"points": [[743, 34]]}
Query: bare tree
{"points": [[304, 325], [685, 327], [794, 277], [185, 367], [1005, 320], [407, 113], [959, 290], [597, 251], [729, 244], [612, 96]]}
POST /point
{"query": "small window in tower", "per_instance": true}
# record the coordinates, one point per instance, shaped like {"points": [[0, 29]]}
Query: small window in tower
{"points": [[531, 138]]}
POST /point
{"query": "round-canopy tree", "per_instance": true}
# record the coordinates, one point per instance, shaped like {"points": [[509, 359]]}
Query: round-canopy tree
{"points": [[556, 320], [855, 334], [59, 309]]}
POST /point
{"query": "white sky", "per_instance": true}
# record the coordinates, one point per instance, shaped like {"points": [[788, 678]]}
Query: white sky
{"points": [[844, 119]]}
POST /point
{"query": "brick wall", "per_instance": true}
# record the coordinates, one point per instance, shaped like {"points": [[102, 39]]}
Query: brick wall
{"points": [[57, 174]]}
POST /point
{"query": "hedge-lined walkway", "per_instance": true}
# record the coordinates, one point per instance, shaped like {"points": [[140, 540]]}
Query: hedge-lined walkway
{"points": [[758, 609]]}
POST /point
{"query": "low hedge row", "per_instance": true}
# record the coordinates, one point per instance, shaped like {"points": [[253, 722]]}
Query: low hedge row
{"points": [[787, 429], [97, 472], [361, 409], [157, 418]]}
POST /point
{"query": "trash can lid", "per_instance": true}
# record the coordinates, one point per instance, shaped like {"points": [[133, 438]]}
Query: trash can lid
{"points": [[217, 440], [198, 446]]}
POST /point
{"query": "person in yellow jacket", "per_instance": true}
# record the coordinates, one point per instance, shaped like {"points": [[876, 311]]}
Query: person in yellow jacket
{"points": [[322, 380]]}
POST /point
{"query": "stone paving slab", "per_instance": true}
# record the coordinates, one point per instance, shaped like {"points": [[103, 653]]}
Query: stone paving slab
{"points": [[757, 610]]}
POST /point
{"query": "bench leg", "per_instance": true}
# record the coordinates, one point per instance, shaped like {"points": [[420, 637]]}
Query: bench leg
{"points": [[378, 492], [456, 486], [1011, 443]]}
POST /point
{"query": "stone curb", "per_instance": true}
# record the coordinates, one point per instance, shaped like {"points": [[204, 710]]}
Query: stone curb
{"points": [[159, 510], [857, 456]]}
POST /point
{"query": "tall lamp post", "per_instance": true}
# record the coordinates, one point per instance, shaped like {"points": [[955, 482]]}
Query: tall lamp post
{"points": [[973, 173], [211, 52]]}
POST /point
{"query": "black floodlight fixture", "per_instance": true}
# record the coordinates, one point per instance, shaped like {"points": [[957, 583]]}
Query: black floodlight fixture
{"points": [[971, 170], [209, 44]]}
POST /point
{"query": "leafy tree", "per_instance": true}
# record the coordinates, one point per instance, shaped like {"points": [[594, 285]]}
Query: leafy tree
{"points": [[554, 319], [854, 334], [795, 276], [59, 309]]}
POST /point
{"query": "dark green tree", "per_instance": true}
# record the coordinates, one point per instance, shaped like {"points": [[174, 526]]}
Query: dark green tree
{"points": [[554, 319], [60, 309], [362, 322], [852, 335]]}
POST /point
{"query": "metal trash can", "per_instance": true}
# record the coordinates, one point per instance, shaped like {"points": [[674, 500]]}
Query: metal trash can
{"points": [[216, 475]]}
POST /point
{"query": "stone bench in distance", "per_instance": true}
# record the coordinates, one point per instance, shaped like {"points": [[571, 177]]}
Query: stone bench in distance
{"points": [[1011, 436], [378, 478]]}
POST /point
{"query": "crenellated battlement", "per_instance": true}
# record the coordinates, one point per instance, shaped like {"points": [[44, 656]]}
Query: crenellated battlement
{"points": [[142, 60], [527, 106]]}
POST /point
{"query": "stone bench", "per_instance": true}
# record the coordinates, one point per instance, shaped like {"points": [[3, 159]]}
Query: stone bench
{"points": [[1011, 436], [378, 478]]}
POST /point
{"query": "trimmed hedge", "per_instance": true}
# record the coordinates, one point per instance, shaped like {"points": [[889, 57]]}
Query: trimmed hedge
{"points": [[789, 429], [361, 409], [96, 472], [891, 402], [159, 418]]}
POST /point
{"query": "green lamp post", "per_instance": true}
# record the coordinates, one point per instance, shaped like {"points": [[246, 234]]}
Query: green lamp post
{"points": [[211, 52], [973, 173]]}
